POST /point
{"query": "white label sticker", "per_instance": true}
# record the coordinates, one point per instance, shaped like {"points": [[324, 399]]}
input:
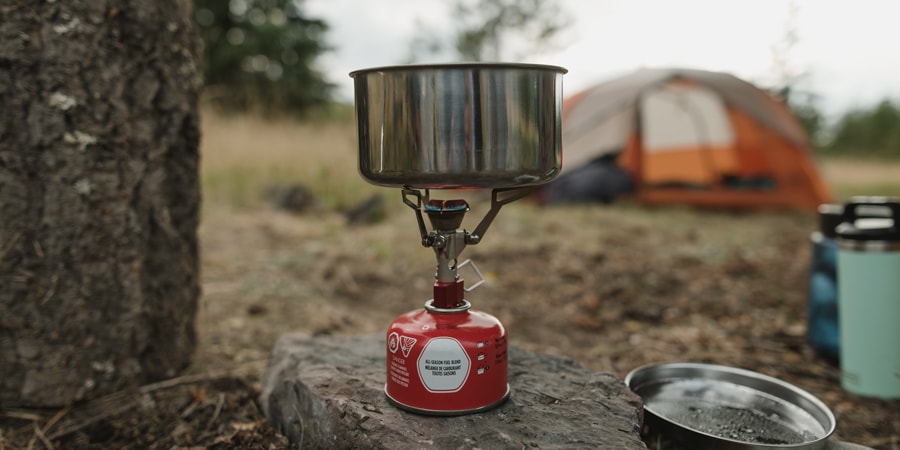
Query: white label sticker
{"points": [[443, 365]]}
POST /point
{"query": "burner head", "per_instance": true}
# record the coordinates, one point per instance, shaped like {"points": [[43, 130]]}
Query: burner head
{"points": [[446, 214]]}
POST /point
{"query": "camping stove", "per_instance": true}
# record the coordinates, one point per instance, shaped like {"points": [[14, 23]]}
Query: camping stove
{"points": [[447, 358], [455, 126]]}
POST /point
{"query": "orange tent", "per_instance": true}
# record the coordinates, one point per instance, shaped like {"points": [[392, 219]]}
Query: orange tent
{"points": [[695, 137]]}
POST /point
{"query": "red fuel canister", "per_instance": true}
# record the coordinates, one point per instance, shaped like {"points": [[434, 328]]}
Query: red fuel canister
{"points": [[446, 360]]}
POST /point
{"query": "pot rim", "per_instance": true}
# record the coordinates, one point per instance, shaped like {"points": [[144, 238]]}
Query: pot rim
{"points": [[460, 66]]}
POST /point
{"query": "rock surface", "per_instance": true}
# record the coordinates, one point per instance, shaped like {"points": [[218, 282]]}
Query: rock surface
{"points": [[327, 392]]}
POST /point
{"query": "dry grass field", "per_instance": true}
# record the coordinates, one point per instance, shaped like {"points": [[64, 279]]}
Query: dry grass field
{"points": [[243, 157], [613, 287]]}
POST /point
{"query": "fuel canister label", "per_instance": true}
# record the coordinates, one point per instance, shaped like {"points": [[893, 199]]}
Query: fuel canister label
{"points": [[443, 365], [399, 346], [397, 341]]}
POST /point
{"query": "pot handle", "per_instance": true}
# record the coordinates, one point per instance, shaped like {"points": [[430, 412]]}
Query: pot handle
{"points": [[857, 208]]}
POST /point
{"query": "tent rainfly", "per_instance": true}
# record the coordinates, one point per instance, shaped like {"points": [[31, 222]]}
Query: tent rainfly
{"points": [[693, 137]]}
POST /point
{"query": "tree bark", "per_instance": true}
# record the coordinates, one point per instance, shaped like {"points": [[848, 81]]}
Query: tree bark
{"points": [[99, 196]]}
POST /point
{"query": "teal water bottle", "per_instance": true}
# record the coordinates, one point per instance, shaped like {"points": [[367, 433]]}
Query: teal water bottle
{"points": [[869, 296]]}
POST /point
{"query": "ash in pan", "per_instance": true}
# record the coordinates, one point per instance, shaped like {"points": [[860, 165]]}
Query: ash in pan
{"points": [[739, 424]]}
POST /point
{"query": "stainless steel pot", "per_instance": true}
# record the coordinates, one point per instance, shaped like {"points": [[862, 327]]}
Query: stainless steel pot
{"points": [[706, 406], [459, 125]]}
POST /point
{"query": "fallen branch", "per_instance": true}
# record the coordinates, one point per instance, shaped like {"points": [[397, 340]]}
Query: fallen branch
{"points": [[219, 403], [21, 415], [43, 438]]}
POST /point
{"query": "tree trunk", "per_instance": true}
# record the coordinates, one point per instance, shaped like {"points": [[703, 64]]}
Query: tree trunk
{"points": [[99, 196]]}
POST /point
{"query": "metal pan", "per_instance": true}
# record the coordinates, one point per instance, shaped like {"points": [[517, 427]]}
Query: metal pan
{"points": [[459, 125], [719, 407]]}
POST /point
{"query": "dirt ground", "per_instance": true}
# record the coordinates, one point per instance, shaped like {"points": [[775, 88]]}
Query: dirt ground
{"points": [[614, 288]]}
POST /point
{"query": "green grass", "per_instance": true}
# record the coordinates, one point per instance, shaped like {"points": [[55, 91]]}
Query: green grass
{"points": [[844, 192], [850, 177], [244, 157]]}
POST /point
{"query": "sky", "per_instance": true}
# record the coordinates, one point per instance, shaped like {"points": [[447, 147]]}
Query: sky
{"points": [[848, 52]]}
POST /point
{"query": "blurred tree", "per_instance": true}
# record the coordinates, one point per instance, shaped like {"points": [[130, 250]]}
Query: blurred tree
{"points": [[873, 132], [262, 53], [787, 78], [496, 30], [807, 111]]}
